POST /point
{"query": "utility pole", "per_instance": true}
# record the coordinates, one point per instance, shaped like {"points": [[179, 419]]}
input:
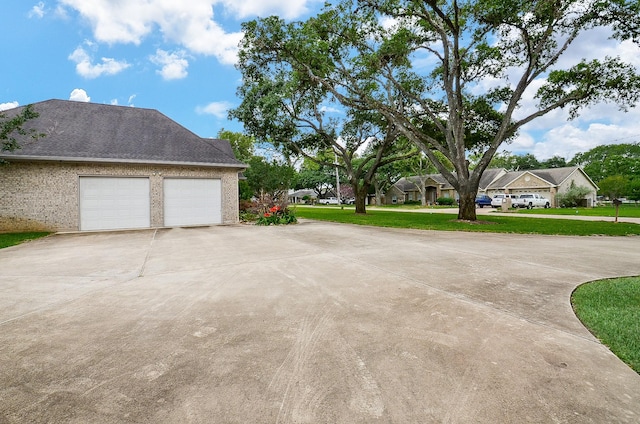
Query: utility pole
{"points": [[337, 180]]}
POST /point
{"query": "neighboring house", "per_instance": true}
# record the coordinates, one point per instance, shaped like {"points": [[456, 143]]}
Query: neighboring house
{"points": [[435, 186], [102, 167], [546, 182], [302, 196]]}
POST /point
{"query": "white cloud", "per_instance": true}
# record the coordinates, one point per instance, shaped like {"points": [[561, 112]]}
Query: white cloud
{"points": [[86, 69], [8, 105], [556, 136], [331, 109], [174, 65], [79, 95], [189, 24], [217, 109], [553, 134], [37, 10], [288, 10], [116, 102]]}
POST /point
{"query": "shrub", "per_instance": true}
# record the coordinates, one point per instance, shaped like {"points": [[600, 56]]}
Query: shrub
{"points": [[248, 211], [447, 201], [277, 216], [247, 205], [573, 197]]}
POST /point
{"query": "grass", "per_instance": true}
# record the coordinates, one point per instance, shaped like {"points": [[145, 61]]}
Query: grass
{"points": [[626, 211], [415, 206], [611, 311], [486, 223], [11, 239]]}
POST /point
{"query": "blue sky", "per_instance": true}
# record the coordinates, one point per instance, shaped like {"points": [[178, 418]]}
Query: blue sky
{"points": [[177, 57], [173, 56]]}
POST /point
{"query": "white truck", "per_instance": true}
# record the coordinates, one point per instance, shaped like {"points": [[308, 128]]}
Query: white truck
{"points": [[531, 200], [329, 201]]}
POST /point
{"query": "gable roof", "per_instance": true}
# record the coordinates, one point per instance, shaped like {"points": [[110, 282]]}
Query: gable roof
{"points": [[92, 132], [553, 176], [489, 176], [412, 183], [498, 178]]}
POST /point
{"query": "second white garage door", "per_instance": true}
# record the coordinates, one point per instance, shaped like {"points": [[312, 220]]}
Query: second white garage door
{"points": [[192, 201]]}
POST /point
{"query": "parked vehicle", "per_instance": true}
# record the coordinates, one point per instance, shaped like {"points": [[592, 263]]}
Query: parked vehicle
{"points": [[329, 201], [483, 200], [531, 200], [498, 199], [349, 201]]}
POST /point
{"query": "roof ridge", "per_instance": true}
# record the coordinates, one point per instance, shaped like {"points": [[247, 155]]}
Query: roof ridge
{"points": [[79, 130]]}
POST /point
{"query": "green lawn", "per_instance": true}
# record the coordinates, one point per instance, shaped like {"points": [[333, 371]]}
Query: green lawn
{"points": [[626, 211], [485, 223], [11, 239], [611, 311]]}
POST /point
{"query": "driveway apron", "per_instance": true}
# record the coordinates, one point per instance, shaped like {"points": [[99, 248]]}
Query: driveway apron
{"points": [[308, 323]]}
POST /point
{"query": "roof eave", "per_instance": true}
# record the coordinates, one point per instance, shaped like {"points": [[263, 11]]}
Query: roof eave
{"points": [[22, 158], [582, 171]]}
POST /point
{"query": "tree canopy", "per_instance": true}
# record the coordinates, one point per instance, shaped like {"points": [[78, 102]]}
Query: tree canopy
{"points": [[243, 146], [280, 107], [450, 76], [13, 126], [269, 181], [610, 160]]}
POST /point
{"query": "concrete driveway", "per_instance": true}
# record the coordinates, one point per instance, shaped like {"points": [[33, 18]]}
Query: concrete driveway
{"points": [[312, 323]]}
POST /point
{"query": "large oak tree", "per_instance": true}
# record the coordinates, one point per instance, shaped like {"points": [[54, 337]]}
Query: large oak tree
{"points": [[448, 75], [280, 107]]}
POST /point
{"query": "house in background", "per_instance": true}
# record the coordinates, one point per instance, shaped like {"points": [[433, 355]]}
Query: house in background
{"points": [[546, 182], [435, 186], [302, 196], [103, 167]]}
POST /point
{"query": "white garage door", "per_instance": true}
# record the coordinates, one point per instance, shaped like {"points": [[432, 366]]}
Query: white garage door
{"points": [[192, 201], [109, 203]]}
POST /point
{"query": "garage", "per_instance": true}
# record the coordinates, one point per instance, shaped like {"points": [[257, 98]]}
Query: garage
{"points": [[109, 203], [192, 201], [105, 167]]}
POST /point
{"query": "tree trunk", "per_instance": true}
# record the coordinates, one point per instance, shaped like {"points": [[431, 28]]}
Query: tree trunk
{"points": [[361, 199], [467, 209], [378, 190]]}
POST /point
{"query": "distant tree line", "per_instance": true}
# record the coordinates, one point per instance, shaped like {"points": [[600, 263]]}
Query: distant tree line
{"points": [[614, 168]]}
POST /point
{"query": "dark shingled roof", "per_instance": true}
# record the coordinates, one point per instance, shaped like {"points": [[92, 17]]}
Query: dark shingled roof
{"points": [[554, 176], [411, 183], [91, 132]]}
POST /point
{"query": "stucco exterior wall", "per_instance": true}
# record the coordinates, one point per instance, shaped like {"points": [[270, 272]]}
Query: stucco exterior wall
{"points": [[391, 194], [580, 179], [45, 196], [529, 182]]}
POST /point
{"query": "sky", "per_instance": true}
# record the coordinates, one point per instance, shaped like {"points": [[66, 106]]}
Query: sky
{"points": [[178, 57]]}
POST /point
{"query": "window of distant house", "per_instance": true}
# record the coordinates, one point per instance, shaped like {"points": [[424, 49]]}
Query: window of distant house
{"points": [[410, 196], [394, 200]]}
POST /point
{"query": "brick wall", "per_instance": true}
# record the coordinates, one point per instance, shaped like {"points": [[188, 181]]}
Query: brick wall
{"points": [[44, 196]]}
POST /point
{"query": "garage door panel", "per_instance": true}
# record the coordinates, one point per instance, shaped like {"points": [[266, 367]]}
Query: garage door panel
{"points": [[192, 201], [108, 203]]}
